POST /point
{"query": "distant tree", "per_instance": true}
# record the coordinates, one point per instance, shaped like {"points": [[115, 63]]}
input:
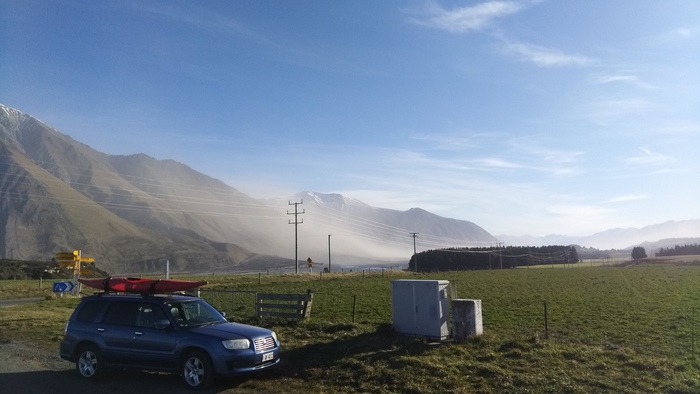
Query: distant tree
{"points": [[680, 250], [638, 252]]}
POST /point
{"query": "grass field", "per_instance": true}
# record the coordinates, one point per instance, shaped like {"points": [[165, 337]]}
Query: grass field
{"points": [[610, 329]]}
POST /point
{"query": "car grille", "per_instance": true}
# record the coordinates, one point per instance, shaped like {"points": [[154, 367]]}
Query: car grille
{"points": [[264, 344]]}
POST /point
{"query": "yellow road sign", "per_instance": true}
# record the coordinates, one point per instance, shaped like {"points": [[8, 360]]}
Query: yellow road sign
{"points": [[87, 259], [65, 256]]}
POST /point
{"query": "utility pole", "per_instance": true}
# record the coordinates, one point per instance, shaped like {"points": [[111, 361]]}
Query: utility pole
{"points": [[296, 237], [500, 253], [414, 249], [329, 253]]}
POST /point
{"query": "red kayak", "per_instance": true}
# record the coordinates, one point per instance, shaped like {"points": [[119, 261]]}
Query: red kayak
{"points": [[141, 285]]}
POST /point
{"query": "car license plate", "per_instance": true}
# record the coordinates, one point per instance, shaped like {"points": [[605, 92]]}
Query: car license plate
{"points": [[268, 356]]}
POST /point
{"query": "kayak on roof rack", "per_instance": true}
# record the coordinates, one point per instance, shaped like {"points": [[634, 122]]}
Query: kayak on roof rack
{"points": [[141, 285]]}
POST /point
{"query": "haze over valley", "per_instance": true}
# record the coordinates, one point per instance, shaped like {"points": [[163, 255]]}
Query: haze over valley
{"points": [[134, 212]]}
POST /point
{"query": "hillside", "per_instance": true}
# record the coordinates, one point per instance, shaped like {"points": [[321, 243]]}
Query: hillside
{"points": [[131, 212]]}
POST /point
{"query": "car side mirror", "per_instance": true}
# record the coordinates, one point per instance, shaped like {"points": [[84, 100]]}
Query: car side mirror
{"points": [[162, 323]]}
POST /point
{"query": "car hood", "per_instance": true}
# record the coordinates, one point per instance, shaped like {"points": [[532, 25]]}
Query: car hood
{"points": [[233, 330]]}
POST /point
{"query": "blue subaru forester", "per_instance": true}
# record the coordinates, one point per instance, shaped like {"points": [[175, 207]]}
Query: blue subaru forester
{"points": [[174, 333]]}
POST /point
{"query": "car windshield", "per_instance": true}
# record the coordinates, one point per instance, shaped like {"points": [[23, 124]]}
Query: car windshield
{"points": [[194, 313]]}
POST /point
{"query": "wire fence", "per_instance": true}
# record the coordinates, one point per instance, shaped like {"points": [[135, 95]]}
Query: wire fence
{"points": [[236, 304]]}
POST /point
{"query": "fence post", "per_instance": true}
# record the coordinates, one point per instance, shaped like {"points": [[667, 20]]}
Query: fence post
{"points": [[308, 304], [354, 301], [546, 328]]}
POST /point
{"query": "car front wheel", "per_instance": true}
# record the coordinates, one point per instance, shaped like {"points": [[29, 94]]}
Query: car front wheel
{"points": [[89, 363], [197, 371]]}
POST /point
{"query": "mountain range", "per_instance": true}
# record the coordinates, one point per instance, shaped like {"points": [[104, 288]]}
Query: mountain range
{"points": [[133, 213]]}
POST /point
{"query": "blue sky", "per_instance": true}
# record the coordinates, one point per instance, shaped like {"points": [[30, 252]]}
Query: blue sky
{"points": [[525, 117]]}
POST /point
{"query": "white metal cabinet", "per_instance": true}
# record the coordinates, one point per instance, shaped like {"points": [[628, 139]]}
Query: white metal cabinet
{"points": [[421, 307]]}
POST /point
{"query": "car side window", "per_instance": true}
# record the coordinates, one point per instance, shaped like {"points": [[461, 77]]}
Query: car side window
{"points": [[89, 311], [122, 313], [148, 314]]}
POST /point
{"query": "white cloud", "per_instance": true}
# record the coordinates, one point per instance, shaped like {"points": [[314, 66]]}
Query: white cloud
{"points": [[627, 78], [686, 32], [465, 19], [544, 57], [455, 142], [649, 158], [626, 198], [493, 162], [531, 145], [481, 16]]}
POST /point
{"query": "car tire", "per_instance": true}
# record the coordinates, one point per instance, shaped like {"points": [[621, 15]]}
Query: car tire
{"points": [[197, 370], [89, 362]]}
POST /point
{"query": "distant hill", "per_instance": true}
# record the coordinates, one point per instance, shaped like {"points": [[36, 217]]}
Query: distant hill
{"points": [[652, 247], [617, 238]]}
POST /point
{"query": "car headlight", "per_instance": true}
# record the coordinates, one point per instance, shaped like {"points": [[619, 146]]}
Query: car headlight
{"points": [[275, 336], [236, 344]]}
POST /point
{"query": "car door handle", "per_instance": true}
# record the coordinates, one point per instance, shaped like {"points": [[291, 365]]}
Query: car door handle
{"points": [[138, 333], [101, 330]]}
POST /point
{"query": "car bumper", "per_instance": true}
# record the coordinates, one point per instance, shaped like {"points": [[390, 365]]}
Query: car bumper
{"points": [[227, 364]]}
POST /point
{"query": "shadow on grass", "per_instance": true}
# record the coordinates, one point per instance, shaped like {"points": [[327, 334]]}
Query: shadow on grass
{"points": [[336, 347]]}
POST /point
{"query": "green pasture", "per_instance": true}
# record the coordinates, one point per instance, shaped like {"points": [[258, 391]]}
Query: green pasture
{"points": [[610, 329]]}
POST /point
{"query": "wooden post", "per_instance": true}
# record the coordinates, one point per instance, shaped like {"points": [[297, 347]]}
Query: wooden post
{"points": [[307, 304], [546, 328], [354, 301]]}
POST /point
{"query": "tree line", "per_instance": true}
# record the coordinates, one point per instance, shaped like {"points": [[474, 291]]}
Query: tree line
{"points": [[679, 250], [484, 258]]}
